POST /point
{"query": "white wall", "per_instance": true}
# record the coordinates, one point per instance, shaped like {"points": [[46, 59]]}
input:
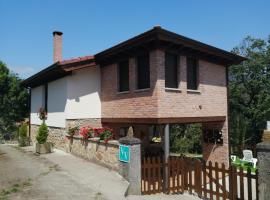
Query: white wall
{"points": [[57, 100], [84, 94], [37, 101]]}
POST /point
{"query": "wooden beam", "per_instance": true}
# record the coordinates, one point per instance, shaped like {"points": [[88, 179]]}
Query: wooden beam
{"points": [[168, 120]]}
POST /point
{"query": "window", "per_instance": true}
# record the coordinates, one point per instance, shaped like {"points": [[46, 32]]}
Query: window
{"points": [[171, 80], [192, 74], [143, 72], [123, 76]]}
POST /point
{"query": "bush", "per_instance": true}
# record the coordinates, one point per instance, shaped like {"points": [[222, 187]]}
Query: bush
{"points": [[42, 134], [23, 139]]}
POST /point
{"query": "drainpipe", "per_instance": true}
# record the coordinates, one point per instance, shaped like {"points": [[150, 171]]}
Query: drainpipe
{"points": [[29, 114]]}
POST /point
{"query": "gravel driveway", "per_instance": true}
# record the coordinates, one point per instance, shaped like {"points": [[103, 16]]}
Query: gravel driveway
{"points": [[24, 176]]}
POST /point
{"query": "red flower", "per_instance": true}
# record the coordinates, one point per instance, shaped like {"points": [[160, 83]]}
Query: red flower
{"points": [[86, 132]]}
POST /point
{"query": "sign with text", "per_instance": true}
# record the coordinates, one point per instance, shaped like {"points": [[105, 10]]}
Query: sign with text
{"points": [[124, 153]]}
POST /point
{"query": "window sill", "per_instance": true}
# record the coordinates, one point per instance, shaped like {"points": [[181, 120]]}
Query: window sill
{"points": [[124, 92], [194, 91], [173, 90], [142, 90]]}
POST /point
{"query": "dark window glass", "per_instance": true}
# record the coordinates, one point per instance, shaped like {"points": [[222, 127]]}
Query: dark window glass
{"points": [[46, 97], [143, 71], [171, 80], [192, 74], [123, 76]]}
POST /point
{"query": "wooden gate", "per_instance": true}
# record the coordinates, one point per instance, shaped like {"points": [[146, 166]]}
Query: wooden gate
{"points": [[195, 176]]}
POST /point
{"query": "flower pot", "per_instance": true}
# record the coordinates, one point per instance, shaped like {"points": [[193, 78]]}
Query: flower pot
{"points": [[43, 148]]}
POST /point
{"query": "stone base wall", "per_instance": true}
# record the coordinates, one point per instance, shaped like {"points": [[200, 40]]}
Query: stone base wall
{"points": [[94, 150], [95, 122], [56, 136], [98, 152]]}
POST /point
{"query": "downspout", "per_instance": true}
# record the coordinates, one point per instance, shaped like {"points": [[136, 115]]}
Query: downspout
{"points": [[228, 126], [29, 103]]}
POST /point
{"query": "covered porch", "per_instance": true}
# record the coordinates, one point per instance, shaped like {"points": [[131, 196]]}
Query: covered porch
{"points": [[154, 134]]}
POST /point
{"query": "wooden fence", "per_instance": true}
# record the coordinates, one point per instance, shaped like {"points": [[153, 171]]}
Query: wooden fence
{"points": [[209, 181]]}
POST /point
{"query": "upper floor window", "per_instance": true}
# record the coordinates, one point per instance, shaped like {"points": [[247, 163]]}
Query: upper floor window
{"points": [[123, 76], [143, 71], [192, 74], [171, 72]]}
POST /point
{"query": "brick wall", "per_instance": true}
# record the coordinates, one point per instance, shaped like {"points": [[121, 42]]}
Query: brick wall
{"points": [[135, 103], [158, 102], [209, 100]]}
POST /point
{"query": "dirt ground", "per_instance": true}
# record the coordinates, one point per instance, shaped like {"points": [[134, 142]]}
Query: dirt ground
{"points": [[27, 176]]}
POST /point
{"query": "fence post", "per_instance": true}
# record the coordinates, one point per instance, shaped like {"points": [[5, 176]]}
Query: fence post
{"points": [[131, 170], [263, 155]]}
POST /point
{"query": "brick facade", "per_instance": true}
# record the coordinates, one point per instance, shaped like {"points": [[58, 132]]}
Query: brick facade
{"points": [[209, 100]]}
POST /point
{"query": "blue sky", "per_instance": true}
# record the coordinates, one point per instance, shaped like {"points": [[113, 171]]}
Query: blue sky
{"points": [[91, 26]]}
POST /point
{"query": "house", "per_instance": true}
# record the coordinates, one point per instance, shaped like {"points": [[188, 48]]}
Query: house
{"points": [[150, 81]]}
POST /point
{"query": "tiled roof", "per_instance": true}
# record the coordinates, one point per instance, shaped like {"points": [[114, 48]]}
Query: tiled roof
{"points": [[78, 59]]}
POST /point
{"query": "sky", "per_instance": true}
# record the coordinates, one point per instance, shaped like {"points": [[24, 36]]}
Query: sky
{"points": [[90, 26]]}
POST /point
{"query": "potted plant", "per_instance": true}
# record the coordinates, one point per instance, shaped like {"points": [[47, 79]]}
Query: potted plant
{"points": [[73, 130], [104, 134], [23, 139], [86, 132], [42, 146]]}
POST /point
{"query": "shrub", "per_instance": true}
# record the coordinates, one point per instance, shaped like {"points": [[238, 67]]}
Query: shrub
{"points": [[23, 139], [73, 130], [42, 134]]}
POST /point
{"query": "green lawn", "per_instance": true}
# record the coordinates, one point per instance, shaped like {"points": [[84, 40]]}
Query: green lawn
{"points": [[245, 165]]}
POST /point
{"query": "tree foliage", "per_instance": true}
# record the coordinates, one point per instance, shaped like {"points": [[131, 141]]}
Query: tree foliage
{"points": [[186, 138], [23, 139], [13, 100], [42, 133], [249, 98]]}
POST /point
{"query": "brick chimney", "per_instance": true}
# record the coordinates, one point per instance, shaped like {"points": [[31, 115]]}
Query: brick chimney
{"points": [[57, 46]]}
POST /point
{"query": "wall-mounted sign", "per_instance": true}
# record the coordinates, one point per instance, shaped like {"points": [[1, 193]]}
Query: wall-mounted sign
{"points": [[124, 153]]}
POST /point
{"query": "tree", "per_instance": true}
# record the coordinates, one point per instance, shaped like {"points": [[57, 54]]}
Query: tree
{"points": [[249, 97], [13, 100], [186, 138], [42, 133]]}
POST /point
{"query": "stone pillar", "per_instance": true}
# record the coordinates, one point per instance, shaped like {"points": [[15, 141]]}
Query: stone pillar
{"points": [[131, 170], [263, 155]]}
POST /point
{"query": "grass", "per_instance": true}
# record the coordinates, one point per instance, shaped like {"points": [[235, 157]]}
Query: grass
{"points": [[242, 164], [4, 194]]}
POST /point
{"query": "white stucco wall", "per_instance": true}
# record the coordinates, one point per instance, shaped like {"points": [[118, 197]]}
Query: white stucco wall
{"points": [[37, 101], [57, 100], [72, 97], [83, 94]]}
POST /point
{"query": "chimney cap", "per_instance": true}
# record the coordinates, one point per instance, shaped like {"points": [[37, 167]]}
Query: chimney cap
{"points": [[157, 26], [57, 33]]}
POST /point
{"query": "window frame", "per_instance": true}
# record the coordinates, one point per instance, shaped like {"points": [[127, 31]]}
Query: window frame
{"points": [[197, 73], [118, 77], [137, 71], [177, 72]]}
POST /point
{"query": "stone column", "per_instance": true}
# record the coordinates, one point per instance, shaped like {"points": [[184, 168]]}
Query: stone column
{"points": [[131, 170], [263, 155]]}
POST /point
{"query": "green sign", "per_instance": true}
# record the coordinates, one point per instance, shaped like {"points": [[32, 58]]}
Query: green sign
{"points": [[124, 153]]}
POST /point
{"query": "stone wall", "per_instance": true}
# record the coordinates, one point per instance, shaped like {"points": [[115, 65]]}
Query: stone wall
{"points": [[95, 122], [56, 136], [105, 154]]}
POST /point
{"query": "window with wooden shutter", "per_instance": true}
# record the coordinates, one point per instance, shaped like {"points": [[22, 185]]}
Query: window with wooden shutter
{"points": [[143, 71], [171, 72], [192, 74], [123, 76]]}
